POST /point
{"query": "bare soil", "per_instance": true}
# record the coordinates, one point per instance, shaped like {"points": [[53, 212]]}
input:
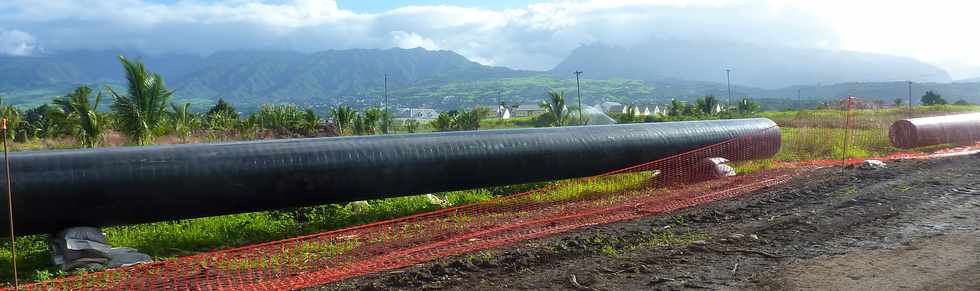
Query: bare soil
{"points": [[912, 226]]}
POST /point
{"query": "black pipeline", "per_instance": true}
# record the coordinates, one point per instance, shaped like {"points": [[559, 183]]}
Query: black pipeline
{"points": [[116, 186], [929, 131]]}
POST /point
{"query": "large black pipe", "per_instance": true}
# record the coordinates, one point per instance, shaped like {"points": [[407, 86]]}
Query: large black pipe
{"points": [[929, 131], [115, 186]]}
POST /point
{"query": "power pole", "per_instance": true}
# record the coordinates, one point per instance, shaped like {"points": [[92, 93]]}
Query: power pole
{"points": [[799, 99], [386, 93], [579, 89], [910, 99], [728, 76], [500, 114], [384, 122]]}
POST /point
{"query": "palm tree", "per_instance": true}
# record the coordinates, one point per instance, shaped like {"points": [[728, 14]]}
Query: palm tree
{"points": [[411, 125], [80, 116], [221, 116], [13, 117], [359, 125], [39, 122], [311, 121], [141, 112], [556, 108], [182, 120], [343, 118], [707, 105], [387, 122], [467, 120], [372, 119], [222, 107], [676, 107], [445, 121]]}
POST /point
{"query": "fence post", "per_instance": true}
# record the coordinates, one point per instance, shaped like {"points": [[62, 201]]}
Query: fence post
{"points": [[847, 132]]}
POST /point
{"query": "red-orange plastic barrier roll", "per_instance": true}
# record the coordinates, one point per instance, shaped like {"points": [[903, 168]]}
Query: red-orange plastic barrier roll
{"points": [[928, 131]]}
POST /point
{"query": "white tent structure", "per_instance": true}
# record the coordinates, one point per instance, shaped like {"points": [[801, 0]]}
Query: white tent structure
{"points": [[503, 112]]}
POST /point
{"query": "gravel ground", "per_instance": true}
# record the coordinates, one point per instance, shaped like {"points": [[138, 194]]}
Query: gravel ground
{"points": [[914, 225]]}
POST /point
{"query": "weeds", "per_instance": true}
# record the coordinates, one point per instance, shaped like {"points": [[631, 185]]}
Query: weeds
{"points": [[669, 238]]}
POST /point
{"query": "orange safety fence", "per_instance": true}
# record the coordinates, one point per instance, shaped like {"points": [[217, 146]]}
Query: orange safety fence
{"points": [[818, 139], [661, 186]]}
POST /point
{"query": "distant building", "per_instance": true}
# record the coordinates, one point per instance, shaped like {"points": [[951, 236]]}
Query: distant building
{"points": [[503, 112], [525, 110], [416, 113], [657, 110]]}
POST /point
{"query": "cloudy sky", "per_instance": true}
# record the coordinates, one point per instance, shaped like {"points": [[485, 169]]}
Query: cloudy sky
{"points": [[513, 33]]}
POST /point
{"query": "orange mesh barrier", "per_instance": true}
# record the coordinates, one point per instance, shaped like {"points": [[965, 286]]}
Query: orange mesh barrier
{"points": [[818, 139], [656, 187]]}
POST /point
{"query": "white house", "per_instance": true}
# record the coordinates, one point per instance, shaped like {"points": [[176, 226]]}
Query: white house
{"points": [[525, 110], [503, 112]]}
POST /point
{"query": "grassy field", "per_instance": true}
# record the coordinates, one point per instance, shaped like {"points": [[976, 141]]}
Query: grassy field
{"points": [[861, 117]]}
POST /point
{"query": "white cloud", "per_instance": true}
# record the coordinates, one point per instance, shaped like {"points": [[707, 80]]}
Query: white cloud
{"points": [[409, 40], [534, 37], [942, 32], [16, 43]]}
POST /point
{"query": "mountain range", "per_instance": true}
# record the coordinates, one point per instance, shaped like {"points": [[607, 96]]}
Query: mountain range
{"points": [[657, 70], [750, 65]]}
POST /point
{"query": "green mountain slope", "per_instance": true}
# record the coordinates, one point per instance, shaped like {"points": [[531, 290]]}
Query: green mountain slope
{"points": [[416, 77]]}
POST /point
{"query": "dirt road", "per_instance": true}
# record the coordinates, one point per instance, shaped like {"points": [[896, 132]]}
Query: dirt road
{"points": [[912, 226]]}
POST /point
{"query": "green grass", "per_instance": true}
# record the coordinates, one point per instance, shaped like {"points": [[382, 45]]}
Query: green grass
{"points": [[189, 236], [582, 188], [862, 117], [669, 238], [514, 122]]}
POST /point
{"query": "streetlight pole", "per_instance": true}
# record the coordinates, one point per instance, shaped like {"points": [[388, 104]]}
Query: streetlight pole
{"points": [[579, 90], [728, 77]]}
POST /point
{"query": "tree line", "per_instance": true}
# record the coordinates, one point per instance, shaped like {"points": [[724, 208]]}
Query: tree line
{"points": [[144, 111]]}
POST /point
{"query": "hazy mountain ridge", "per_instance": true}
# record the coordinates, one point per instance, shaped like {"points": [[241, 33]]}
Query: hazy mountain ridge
{"points": [[439, 79], [270, 75], [751, 65]]}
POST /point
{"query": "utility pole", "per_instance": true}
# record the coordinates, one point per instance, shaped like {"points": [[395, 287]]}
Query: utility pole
{"points": [[500, 113], [910, 99], [384, 121], [386, 93], [579, 89], [799, 99], [728, 76]]}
